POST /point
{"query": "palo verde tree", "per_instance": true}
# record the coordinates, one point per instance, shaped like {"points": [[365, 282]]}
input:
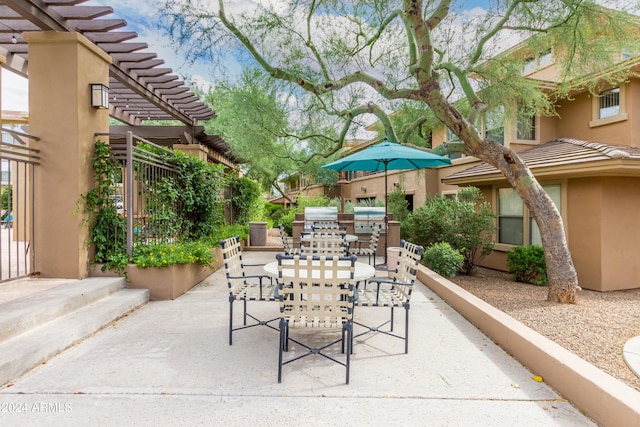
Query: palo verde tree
{"points": [[254, 115], [358, 57]]}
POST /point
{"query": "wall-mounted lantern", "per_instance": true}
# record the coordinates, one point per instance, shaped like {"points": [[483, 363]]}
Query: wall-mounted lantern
{"points": [[99, 96]]}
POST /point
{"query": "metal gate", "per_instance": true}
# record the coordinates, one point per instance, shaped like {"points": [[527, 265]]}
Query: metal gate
{"points": [[18, 164]]}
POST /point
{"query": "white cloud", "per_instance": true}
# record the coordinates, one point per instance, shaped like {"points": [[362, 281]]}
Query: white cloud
{"points": [[15, 92]]}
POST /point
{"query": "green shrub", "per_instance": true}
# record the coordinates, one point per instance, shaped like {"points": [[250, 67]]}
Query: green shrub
{"points": [[166, 254], [466, 224], [527, 264], [398, 205], [443, 259], [274, 212], [348, 205], [247, 200], [287, 221]]}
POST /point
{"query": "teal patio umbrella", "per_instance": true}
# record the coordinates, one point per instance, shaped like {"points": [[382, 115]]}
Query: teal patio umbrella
{"points": [[387, 156]]}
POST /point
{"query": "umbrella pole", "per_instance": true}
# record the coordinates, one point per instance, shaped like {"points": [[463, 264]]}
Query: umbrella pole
{"points": [[386, 214], [386, 221]]}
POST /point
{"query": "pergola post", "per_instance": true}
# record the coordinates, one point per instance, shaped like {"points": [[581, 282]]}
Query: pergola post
{"points": [[62, 65]]}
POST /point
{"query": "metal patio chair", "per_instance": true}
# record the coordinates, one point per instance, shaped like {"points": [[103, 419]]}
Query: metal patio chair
{"points": [[371, 245], [244, 287], [328, 244], [393, 292], [316, 293], [328, 227], [291, 246]]}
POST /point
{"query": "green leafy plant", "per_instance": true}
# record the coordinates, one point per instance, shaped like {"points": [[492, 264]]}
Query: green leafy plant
{"points": [[443, 259], [106, 226], [527, 264], [398, 205], [287, 221], [466, 224], [199, 219], [164, 254], [247, 201], [6, 196]]}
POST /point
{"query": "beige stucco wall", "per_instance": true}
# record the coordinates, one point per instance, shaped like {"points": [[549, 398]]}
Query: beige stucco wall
{"points": [[584, 208], [604, 238], [633, 107], [61, 67], [620, 233], [575, 115]]}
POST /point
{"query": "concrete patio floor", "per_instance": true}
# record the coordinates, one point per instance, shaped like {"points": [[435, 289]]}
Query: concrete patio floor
{"points": [[169, 363]]}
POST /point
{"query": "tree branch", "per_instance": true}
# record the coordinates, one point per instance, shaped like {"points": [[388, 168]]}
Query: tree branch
{"points": [[412, 127]]}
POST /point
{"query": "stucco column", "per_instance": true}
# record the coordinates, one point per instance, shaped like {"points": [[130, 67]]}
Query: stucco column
{"points": [[61, 67]]}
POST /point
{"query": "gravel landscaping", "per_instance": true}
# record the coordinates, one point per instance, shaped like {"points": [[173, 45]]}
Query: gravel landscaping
{"points": [[595, 328]]}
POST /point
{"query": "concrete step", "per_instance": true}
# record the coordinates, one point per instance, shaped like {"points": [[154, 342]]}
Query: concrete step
{"points": [[40, 342], [20, 315]]}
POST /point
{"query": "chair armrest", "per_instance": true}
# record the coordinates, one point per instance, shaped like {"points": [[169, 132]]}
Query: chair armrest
{"points": [[391, 282], [253, 276], [254, 265], [388, 282]]}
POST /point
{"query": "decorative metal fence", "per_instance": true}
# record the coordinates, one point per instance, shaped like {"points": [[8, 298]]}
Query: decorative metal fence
{"points": [[18, 163], [143, 193]]}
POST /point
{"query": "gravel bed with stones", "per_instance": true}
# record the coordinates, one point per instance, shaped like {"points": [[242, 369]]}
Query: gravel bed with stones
{"points": [[595, 328]]}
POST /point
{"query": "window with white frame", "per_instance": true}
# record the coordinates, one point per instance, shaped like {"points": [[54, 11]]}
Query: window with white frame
{"points": [[545, 58], [534, 232], [510, 217], [541, 60], [529, 65], [452, 137], [494, 125], [526, 127], [512, 228], [609, 103], [609, 107]]}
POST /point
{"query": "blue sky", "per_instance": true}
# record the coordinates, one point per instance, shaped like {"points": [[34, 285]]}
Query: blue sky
{"points": [[141, 17]]}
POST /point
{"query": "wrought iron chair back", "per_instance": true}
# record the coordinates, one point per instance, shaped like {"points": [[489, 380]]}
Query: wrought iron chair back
{"points": [[372, 247], [288, 243], [244, 287]]}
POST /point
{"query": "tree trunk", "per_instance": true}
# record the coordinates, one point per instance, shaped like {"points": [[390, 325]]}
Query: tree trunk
{"points": [[561, 273]]}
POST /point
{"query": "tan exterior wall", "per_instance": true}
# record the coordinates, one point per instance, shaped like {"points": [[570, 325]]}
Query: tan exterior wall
{"points": [[604, 238], [584, 208], [620, 240], [576, 114], [547, 129], [195, 150], [61, 67], [633, 107]]}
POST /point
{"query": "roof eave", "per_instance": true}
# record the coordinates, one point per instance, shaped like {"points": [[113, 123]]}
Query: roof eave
{"points": [[609, 167]]}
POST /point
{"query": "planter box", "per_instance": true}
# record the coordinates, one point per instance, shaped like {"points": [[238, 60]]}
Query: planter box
{"points": [[164, 283]]}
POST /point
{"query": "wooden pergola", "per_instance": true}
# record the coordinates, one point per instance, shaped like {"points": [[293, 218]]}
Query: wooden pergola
{"points": [[140, 88]]}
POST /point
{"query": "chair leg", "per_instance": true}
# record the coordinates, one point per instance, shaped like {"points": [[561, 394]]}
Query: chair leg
{"points": [[349, 328], [245, 311], [281, 348], [230, 321], [392, 319], [406, 328]]}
